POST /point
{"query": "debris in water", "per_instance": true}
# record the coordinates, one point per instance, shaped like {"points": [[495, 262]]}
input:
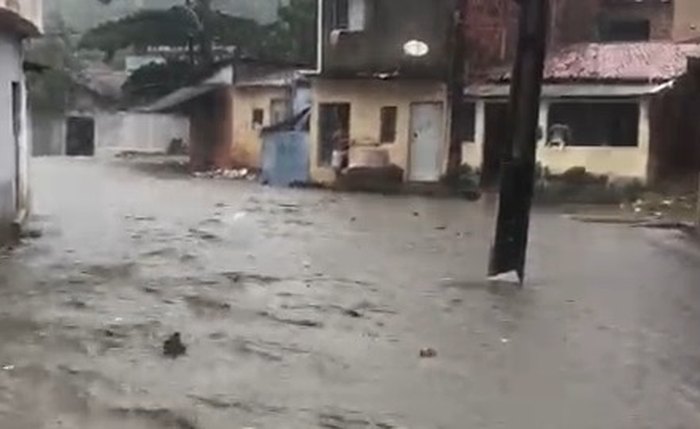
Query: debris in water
{"points": [[30, 234], [428, 353], [353, 313], [8, 367], [416, 214], [173, 346], [505, 340], [440, 228]]}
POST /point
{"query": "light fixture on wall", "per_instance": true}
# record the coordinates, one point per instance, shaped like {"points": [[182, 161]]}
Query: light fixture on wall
{"points": [[416, 48]]}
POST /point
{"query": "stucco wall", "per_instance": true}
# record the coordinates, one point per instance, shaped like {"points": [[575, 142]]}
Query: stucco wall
{"points": [[10, 71], [366, 98], [615, 162], [247, 143], [686, 20]]}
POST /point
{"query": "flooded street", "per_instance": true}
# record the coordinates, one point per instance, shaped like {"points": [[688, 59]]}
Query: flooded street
{"points": [[308, 309]]}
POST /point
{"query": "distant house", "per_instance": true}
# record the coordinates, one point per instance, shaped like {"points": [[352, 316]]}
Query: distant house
{"points": [[381, 85], [627, 110], [98, 124], [19, 20], [228, 110]]}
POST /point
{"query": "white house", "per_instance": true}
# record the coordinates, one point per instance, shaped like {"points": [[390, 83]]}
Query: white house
{"points": [[625, 110], [19, 19]]}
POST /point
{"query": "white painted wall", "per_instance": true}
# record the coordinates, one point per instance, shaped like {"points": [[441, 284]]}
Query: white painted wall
{"points": [[615, 162], [141, 132], [473, 152], [10, 71]]}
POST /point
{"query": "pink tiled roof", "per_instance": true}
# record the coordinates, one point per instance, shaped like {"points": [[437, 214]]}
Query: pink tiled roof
{"points": [[619, 62]]}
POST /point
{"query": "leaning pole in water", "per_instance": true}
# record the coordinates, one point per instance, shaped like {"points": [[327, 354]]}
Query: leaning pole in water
{"points": [[509, 250]]}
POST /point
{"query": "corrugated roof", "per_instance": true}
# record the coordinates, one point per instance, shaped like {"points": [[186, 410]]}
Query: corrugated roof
{"points": [[617, 62]]}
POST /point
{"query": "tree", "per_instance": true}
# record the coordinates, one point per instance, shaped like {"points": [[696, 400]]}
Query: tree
{"points": [[293, 37], [53, 89]]}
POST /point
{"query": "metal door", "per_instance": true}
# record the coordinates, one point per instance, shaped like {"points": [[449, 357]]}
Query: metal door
{"points": [[426, 142]]}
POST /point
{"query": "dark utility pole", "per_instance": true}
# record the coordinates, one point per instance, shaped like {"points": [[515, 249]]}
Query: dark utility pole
{"points": [[456, 88], [518, 168]]}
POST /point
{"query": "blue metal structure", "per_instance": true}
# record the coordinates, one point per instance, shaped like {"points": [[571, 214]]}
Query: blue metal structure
{"points": [[285, 157]]}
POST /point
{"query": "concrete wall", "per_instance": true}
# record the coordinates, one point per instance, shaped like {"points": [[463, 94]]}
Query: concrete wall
{"points": [[686, 20], [377, 46], [11, 71], [616, 162], [366, 98], [141, 132], [48, 134], [659, 14], [114, 132], [247, 143]]}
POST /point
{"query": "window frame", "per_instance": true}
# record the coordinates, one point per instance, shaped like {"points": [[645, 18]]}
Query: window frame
{"points": [[604, 113]]}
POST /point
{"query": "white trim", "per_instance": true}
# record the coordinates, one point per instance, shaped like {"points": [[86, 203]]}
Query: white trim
{"points": [[319, 37]]}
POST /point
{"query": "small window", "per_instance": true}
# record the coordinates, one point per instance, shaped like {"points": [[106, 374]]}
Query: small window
{"points": [[258, 118], [280, 110], [388, 118], [340, 14], [625, 31]]}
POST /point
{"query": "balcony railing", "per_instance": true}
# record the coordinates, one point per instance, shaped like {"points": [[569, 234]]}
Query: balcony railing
{"points": [[24, 16]]}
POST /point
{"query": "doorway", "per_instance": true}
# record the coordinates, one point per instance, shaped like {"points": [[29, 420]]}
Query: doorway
{"points": [[496, 133], [426, 142], [16, 133], [80, 136], [334, 129]]}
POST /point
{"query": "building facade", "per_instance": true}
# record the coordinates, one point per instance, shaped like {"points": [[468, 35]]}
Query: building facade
{"points": [[382, 84], [623, 110], [19, 19]]}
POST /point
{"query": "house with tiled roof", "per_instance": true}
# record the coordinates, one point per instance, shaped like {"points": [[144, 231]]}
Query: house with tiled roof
{"points": [[628, 110]]}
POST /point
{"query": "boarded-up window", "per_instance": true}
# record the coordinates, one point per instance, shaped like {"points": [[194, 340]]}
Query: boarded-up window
{"points": [[258, 118], [594, 124], [388, 119], [334, 129]]}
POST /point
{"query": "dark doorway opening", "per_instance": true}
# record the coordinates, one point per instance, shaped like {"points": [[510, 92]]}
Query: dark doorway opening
{"points": [[16, 132], [334, 126], [80, 136], [496, 133]]}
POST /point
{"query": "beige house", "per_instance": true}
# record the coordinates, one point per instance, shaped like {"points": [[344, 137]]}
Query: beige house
{"points": [[259, 102], [384, 115], [380, 87], [228, 110], [623, 110]]}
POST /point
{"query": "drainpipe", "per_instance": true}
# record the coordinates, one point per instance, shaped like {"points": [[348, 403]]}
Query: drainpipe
{"points": [[509, 250]]}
